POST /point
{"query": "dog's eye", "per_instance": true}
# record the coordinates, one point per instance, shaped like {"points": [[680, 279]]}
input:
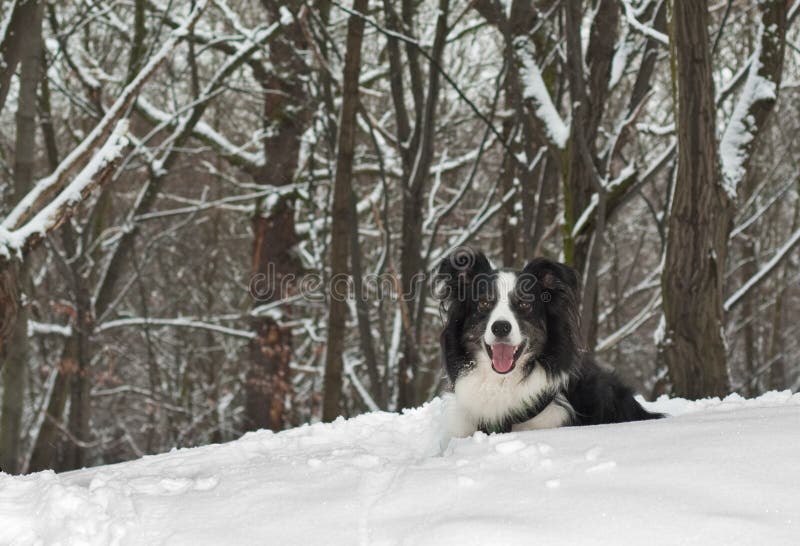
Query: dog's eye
{"points": [[524, 306], [484, 305]]}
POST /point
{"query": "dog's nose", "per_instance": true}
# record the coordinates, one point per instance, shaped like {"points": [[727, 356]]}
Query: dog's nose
{"points": [[501, 328]]}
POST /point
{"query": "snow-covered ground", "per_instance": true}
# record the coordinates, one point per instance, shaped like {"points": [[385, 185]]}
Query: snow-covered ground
{"points": [[716, 472]]}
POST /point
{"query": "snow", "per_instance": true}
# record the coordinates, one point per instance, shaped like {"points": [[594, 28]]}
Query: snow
{"points": [[112, 116], [181, 322], [35, 327], [204, 131], [286, 16], [628, 171], [650, 32], [739, 133], [620, 61], [585, 215], [717, 471], [12, 241], [4, 25], [535, 88]]}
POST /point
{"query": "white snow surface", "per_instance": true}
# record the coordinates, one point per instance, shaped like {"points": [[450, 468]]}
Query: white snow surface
{"points": [[714, 472]]}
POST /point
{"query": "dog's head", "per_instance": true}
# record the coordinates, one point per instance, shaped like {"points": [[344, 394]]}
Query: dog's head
{"points": [[518, 318]]}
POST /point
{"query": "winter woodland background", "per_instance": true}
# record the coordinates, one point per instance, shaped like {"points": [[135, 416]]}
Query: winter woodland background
{"points": [[163, 281]]}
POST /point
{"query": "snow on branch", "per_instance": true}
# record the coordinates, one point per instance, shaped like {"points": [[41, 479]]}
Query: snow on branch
{"points": [[186, 125], [756, 279], [235, 154], [53, 183], [648, 311], [755, 102], [40, 328], [5, 24], [177, 323], [535, 89], [626, 178], [97, 170], [362, 206], [349, 368], [650, 32]]}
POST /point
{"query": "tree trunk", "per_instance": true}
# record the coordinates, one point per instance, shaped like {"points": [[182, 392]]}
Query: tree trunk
{"points": [[268, 386], [13, 46], [362, 305], [13, 355], [777, 379], [342, 193], [580, 165], [412, 380], [268, 381], [48, 450], [692, 347], [751, 335], [14, 348], [79, 376]]}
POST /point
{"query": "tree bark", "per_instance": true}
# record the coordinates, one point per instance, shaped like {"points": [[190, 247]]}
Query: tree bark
{"points": [[411, 379], [79, 375], [13, 45], [14, 348], [362, 305], [268, 379], [14, 362], [341, 214], [692, 347], [268, 386], [777, 372], [580, 166]]}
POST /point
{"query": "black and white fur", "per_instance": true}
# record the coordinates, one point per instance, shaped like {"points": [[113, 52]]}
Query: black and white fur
{"points": [[551, 382]]}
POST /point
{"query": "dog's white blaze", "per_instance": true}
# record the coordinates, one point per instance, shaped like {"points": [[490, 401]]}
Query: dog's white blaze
{"points": [[502, 310], [553, 416], [483, 395]]}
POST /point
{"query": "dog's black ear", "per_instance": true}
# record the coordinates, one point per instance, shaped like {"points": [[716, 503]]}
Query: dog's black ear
{"points": [[557, 287], [550, 274], [553, 276], [456, 272]]}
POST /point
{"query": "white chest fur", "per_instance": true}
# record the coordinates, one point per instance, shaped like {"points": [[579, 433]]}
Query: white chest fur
{"points": [[484, 396]]}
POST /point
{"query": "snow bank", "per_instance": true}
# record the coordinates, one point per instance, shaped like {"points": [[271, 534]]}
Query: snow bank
{"points": [[717, 471]]}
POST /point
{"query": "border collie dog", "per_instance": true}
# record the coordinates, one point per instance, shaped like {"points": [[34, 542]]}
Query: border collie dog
{"points": [[511, 350]]}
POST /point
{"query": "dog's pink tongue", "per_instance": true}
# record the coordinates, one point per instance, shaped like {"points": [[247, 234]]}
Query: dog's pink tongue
{"points": [[502, 357]]}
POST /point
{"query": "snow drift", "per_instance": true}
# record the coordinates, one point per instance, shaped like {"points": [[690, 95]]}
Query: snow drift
{"points": [[714, 472]]}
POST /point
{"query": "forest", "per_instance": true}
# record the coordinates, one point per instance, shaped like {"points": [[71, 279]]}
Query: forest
{"points": [[219, 216]]}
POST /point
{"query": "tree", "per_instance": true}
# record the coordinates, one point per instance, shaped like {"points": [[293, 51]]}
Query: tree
{"points": [[14, 348], [342, 190], [692, 345], [285, 115], [415, 145]]}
